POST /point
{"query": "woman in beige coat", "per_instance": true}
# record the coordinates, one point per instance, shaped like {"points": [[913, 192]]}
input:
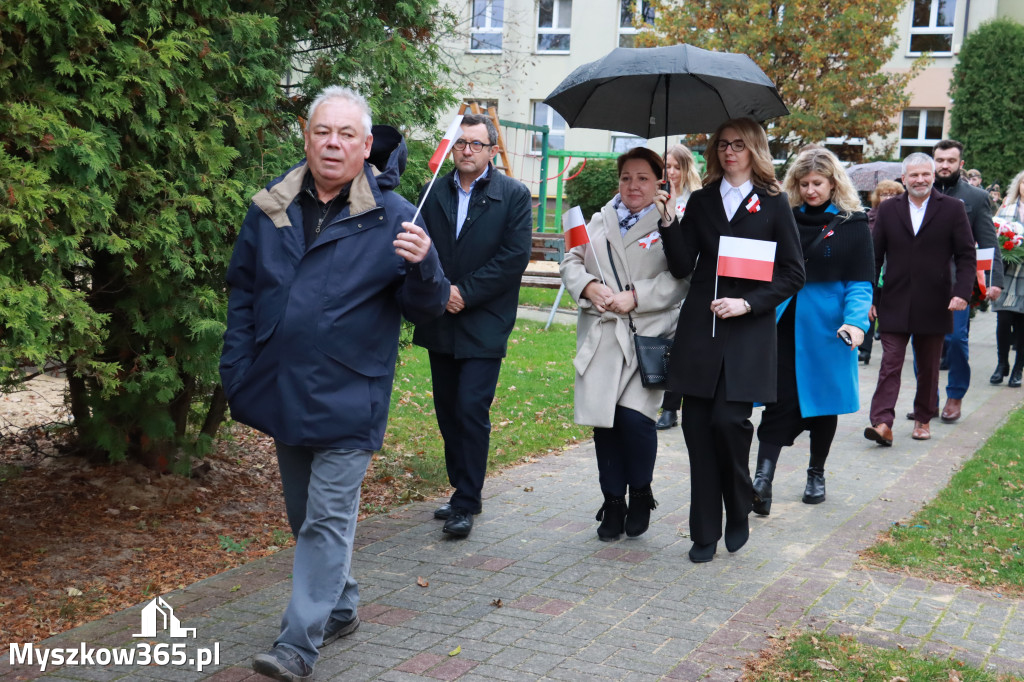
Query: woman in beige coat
{"points": [[609, 394]]}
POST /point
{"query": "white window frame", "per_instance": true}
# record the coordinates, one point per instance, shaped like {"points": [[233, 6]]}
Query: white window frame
{"points": [[553, 30], [932, 29], [488, 29], [631, 30], [549, 121], [922, 125], [623, 142], [847, 141]]}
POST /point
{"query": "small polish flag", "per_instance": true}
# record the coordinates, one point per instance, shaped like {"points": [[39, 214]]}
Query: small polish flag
{"points": [[575, 228], [985, 257], [753, 206], [446, 144], [746, 258]]}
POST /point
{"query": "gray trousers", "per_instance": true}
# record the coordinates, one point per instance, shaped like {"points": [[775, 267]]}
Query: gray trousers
{"points": [[321, 494]]}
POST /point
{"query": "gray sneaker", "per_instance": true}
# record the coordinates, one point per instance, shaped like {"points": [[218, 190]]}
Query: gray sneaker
{"points": [[336, 628], [282, 663]]}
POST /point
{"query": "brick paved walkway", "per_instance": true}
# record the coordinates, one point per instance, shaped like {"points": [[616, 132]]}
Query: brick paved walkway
{"points": [[574, 608]]}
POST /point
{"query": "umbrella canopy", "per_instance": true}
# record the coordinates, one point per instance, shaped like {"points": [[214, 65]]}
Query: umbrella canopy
{"points": [[865, 176], [661, 91]]}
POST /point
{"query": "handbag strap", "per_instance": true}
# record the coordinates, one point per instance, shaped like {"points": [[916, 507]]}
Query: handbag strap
{"points": [[615, 272]]}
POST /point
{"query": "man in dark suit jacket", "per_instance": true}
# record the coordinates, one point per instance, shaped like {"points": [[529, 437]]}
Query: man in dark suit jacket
{"points": [[948, 162], [917, 235], [481, 224]]}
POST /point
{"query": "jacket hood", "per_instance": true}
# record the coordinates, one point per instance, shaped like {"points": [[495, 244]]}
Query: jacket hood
{"points": [[388, 155]]}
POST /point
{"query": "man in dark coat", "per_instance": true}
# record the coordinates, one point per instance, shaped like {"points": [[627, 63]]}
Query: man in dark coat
{"points": [[948, 180], [917, 234], [325, 265], [481, 224]]}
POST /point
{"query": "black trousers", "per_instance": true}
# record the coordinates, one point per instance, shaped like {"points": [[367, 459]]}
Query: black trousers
{"points": [[718, 433], [626, 452], [463, 393]]}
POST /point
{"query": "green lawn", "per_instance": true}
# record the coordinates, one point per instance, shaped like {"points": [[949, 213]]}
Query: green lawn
{"points": [[531, 414], [823, 658], [973, 531], [544, 298]]}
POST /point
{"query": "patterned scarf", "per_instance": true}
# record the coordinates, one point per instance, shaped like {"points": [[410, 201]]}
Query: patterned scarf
{"points": [[627, 218]]}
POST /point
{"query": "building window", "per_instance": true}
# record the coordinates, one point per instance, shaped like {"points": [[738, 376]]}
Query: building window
{"points": [[849, 149], [543, 115], [931, 26], [920, 130], [554, 24], [488, 20], [630, 23], [623, 143]]}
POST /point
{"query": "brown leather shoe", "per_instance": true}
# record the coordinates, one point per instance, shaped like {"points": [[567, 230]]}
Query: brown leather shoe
{"points": [[921, 431], [880, 433], [951, 412]]}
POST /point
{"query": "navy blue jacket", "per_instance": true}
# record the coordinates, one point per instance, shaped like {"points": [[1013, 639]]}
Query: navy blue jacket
{"points": [[486, 263], [312, 335]]}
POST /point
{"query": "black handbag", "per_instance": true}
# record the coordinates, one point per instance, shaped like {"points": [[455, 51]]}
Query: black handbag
{"points": [[652, 352]]}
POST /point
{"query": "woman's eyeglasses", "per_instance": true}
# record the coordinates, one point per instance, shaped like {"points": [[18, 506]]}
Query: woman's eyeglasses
{"points": [[737, 145], [474, 145]]}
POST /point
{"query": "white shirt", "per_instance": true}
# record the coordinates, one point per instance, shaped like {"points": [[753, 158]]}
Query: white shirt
{"points": [[917, 214], [733, 196]]}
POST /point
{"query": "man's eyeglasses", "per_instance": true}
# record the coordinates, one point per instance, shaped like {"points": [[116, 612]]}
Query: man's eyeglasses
{"points": [[737, 145], [474, 145]]}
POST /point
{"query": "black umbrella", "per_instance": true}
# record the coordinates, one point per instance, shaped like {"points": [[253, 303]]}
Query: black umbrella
{"points": [[661, 91]]}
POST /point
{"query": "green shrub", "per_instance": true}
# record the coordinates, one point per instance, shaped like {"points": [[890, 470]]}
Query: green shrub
{"points": [[593, 187]]}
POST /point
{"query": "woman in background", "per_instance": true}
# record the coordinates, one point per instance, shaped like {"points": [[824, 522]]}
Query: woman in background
{"points": [[683, 179], [885, 189], [723, 357], [820, 328], [1009, 306]]}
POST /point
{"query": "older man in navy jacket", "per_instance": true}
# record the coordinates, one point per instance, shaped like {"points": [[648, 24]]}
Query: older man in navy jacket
{"points": [[481, 225], [325, 265]]}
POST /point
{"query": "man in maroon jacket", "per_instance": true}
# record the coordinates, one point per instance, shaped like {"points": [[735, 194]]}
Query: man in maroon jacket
{"points": [[917, 234]]}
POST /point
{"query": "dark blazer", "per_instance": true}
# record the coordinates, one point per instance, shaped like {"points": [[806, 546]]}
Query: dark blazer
{"points": [[978, 205], [486, 263], [745, 345], [918, 284]]}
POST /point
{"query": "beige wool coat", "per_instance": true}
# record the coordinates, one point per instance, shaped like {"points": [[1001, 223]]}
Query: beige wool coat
{"points": [[606, 369]]}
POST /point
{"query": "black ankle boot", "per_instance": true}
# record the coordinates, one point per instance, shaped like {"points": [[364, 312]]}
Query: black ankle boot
{"points": [[612, 516], [1015, 377], [763, 487], [814, 493], [667, 420], [1002, 369], [638, 515]]}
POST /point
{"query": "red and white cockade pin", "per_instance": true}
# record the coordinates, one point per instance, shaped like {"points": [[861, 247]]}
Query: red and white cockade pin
{"points": [[754, 205], [650, 240]]}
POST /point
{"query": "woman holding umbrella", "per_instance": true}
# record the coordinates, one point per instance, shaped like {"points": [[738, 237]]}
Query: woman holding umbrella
{"points": [[723, 357], [620, 277], [683, 179], [820, 328]]}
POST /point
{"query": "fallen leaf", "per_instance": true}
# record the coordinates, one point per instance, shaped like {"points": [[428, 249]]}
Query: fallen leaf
{"points": [[825, 665], [456, 651], [74, 592], [421, 582], [954, 676], [898, 679], [528, 489], [496, 602]]}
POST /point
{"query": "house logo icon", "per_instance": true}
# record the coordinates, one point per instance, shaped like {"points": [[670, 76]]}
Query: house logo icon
{"points": [[158, 614]]}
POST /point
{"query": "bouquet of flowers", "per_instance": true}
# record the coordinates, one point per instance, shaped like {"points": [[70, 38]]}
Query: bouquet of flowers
{"points": [[1010, 234]]}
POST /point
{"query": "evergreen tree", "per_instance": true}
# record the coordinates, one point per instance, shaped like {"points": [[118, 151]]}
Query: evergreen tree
{"points": [[988, 100], [133, 136], [824, 56]]}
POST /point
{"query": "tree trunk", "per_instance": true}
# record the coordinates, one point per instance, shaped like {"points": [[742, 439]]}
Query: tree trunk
{"points": [[215, 414]]}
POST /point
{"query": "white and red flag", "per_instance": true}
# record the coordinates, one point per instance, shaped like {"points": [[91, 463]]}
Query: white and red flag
{"points": [[754, 205], [985, 257], [575, 228], [746, 258], [445, 146]]}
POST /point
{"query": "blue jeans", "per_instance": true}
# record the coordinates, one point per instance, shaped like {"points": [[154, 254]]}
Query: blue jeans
{"points": [[321, 494], [958, 356]]}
